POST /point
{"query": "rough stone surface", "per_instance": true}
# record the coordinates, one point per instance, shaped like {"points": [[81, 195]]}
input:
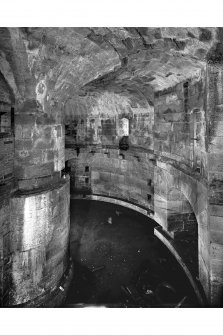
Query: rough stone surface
{"points": [[39, 147], [38, 242], [6, 158], [108, 172], [168, 84]]}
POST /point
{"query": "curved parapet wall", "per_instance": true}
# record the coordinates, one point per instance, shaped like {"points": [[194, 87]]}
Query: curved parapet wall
{"points": [[38, 243], [116, 202], [125, 175]]}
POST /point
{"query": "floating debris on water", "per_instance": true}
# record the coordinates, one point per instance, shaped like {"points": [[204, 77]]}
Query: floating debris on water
{"points": [[98, 268], [110, 220]]}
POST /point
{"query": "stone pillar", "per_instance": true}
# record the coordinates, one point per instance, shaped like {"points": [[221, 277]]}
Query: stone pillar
{"points": [[39, 243], [6, 186], [4, 238], [215, 178], [39, 212]]}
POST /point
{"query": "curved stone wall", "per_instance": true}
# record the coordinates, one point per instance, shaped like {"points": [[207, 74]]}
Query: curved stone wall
{"points": [[39, 149], [110, 172], [38, 244], [196, 192]]}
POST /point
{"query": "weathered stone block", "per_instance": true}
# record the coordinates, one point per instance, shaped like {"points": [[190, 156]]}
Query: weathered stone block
{"points": [[215, 162], [216, 223], [216, 210], [216, 236], [216, 251], [216, 270], [37, 228]]}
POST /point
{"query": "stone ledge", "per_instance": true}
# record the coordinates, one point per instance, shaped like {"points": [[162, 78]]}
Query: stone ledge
{"points": [[55, 185], [145, 211]]}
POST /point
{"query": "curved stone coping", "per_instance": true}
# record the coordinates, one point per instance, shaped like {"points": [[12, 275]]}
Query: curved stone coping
{"points": [[115, 201], [169, 243], [52, 298], [36, 191]]}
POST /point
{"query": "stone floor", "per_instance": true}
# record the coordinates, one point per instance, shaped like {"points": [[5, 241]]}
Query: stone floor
{"points": [[118, 262]]}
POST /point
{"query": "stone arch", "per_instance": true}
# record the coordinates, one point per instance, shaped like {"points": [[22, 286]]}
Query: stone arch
{"points": [[175, 213], [166, 177], [181, 219]]}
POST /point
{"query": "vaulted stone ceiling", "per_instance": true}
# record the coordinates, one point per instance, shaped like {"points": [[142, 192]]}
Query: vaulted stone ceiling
{"points": [[59, 66]]}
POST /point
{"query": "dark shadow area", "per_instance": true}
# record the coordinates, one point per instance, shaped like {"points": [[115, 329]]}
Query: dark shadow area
{"points": [[118, 262]]}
